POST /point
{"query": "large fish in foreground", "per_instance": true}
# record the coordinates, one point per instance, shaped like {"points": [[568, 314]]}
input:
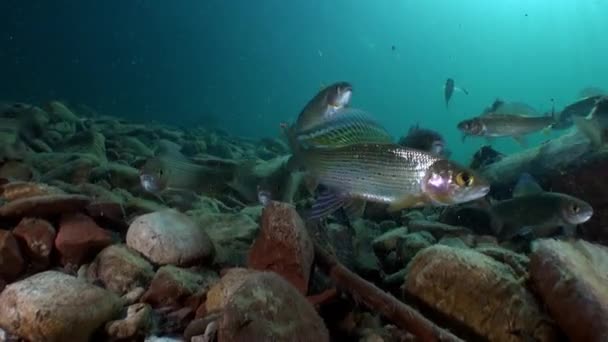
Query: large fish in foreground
{"points": [[532, 211], [388, 173], [506, 120]]}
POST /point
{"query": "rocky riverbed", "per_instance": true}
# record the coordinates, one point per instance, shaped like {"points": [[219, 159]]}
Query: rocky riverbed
{"points": [[87, 255]]}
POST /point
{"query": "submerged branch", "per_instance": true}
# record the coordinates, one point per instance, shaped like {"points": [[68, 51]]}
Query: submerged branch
{"points": [[374, 298]]}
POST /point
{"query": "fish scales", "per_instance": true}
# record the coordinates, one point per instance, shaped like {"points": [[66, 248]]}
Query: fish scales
{"points": [[372, 171]]}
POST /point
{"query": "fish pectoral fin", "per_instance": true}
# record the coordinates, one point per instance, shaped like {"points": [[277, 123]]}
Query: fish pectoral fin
{"points": [[354, 208], [520, 140], [408, 201], [326, 202]]}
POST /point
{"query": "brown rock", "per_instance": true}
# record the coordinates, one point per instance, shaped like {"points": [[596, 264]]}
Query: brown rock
{"points": [[478, 292], [170, 237], [52, 306], [45, 205], [268, 308], [172, 285], [112, 211], [37, 236], [283, 245], [220, 292], [572, 278], [120, 269], [137, 324], [80, 238], [15, 170], [11, 260]]}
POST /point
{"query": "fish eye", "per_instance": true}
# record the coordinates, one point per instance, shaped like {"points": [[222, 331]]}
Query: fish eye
{"points": [[575, 208], [464, 179]]}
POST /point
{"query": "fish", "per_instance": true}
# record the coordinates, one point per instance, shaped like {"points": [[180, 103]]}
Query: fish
{"points": [[533, 211], [595, 125], [325, 104], [506, 120], [347, 126], [448, 90], [387, 173], [169, 170], [425, 140]]}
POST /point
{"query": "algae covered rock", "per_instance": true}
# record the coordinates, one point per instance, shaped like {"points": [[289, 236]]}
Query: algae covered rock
{"points": [[52, 306], [170, 237], [478, 292], [120, 269], [267, 308], [572, 278]]}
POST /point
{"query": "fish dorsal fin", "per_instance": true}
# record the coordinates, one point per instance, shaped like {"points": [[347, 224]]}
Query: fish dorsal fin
{"points": [[526, 185], [497, 104]]}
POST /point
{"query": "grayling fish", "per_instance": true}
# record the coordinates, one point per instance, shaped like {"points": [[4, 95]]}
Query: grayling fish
{"points": [[388, 173], [506, 120], [325, 104], [532, 211]]}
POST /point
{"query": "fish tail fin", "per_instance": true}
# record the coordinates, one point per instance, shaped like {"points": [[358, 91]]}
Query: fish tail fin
{"points": [[591, 129]]}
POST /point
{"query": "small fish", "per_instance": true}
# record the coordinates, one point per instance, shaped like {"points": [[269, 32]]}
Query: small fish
{"points": [[595, 125], [425, 140], [580, 108], [325, 104], [448, 90], [171, 170], [388, 173], [506, 120], [533, 211]]}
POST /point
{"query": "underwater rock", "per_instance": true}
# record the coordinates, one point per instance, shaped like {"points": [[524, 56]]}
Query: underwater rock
{"points": [[16, 171], [11, 259], [17, 190], [171, 286], [450, 281], [135, 326], [80, 238], [76, 171], [397, 247], [120, 269], [60, 112], [170, 237], [518, 262], [87, 142], [572, 278], [437, 229], [221, 291], [457, 242], [38, 238], [266, 307], [45, 205], [232, 234], [366, 262], [283, 245], [52, 306]]}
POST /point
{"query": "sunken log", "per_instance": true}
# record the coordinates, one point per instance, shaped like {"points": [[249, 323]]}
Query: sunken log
{"points": [[402, 315]]}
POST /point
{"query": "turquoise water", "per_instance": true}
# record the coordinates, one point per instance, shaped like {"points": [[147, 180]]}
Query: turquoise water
{"points": [[246, 66]]}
